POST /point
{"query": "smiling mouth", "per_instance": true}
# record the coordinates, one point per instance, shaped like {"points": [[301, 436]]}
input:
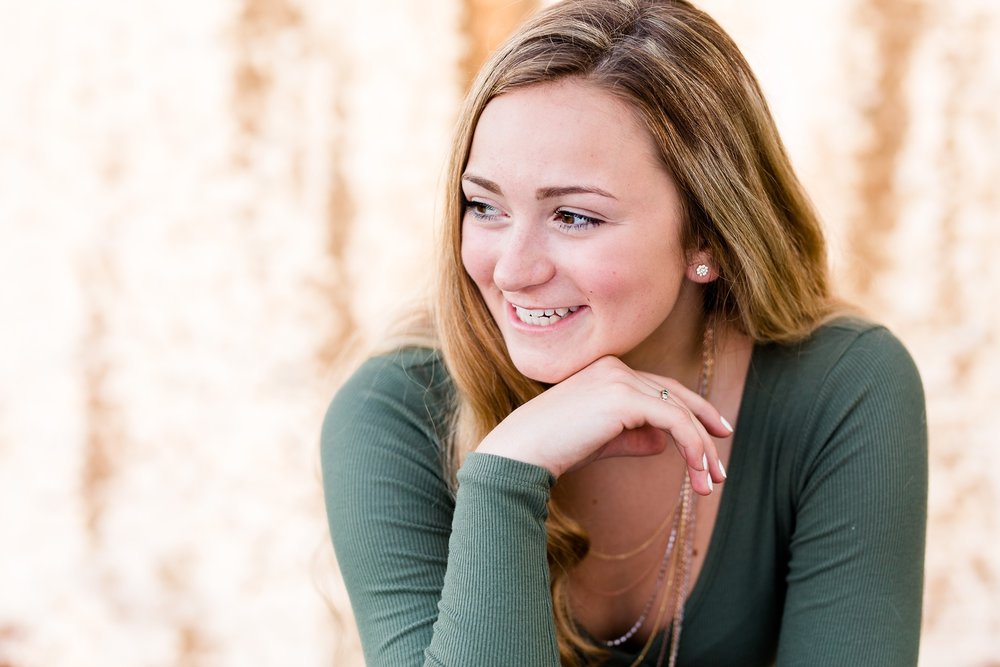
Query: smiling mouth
{"points": [[543, 317]]}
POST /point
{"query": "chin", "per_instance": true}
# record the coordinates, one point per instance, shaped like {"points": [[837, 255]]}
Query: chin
{"points": [[548, 371]]}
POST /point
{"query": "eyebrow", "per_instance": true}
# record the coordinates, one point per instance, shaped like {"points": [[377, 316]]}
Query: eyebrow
{"points": [[543, 193]]}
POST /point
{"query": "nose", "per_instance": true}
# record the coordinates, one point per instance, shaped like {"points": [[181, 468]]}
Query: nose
{"points": [[524, 260]]}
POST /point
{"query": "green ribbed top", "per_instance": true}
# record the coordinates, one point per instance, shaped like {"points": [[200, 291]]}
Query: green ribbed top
{"points": [[816, 557]]}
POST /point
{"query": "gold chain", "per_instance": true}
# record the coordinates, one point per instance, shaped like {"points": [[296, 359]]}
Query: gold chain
{"points": [[648, 542], [682, 553]]}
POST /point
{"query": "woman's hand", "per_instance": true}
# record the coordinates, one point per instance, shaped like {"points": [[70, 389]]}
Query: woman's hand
{"points": [[607, 409]]}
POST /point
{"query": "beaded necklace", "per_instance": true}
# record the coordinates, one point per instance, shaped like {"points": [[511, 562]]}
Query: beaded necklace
{"points": [[677, 555]]}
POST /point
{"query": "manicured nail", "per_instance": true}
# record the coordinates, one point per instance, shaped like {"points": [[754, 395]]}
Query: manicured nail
{"points": [[708, 476], [722, 470], [704, 461], [729, 427]]}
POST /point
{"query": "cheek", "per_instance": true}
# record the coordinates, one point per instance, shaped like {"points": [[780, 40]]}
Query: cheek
{"points": [[616, 276], [477, 257], [634, 286]]}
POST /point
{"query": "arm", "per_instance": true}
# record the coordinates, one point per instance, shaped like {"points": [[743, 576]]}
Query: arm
{"points": [[404, 545], [495, 607], [855, 578]]}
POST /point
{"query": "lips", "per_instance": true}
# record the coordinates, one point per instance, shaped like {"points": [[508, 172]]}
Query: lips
{"points": [[543, 317]]}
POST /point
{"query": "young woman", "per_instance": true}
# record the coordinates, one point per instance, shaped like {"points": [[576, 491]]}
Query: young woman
{"points": [[630, 271]]}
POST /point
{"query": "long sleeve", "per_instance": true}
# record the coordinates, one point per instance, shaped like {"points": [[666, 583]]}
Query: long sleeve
{"points": [[858, 502], [496, 604], [433, 579]]}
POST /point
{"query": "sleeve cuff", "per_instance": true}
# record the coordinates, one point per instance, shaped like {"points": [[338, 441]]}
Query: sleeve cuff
{"points": [[493, 466]]}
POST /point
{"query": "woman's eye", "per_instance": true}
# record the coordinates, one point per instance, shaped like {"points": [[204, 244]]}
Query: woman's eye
{"points": [[576, 221], [481, 210]]}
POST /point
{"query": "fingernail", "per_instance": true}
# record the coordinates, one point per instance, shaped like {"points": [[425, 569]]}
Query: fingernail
{"points": [[708, 476], [729, 427], [722, 470], [704, 461]]}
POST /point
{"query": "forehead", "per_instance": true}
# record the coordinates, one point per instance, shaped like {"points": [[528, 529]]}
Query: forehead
{"points": [[572, 118]]}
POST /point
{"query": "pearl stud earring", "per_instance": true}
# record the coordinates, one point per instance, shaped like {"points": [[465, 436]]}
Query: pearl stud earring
{"points": [[701, 270]]}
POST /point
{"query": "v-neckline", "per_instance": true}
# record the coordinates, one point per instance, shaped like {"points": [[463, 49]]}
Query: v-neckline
{"points": [[716, 544]]}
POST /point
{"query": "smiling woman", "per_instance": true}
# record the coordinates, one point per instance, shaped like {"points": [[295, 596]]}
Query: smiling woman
{"points": [[629, 269], [569, 207]]}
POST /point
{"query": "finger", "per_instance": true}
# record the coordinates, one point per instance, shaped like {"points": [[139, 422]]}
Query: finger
{"points": [[656, 443], [707, 416], [710, 464], [691, 440], [709, 467], [654, 382], [688, 421], [713, 462], [702, 409]]}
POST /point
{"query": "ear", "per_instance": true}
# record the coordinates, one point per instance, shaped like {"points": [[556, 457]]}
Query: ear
{"points": [[701, 267]]}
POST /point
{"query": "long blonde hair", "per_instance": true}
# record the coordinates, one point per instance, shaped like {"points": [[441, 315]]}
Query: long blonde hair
{"points": [[691, 87]]}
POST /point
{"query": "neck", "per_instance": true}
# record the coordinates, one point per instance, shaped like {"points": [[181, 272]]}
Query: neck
{"points": [[676, 348]]}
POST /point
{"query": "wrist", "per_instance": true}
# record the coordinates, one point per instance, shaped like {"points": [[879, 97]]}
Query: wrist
{"points": [[522, 454]]}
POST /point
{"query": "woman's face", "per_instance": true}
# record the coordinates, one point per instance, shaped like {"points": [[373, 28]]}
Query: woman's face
{"points": [[572, 230]]}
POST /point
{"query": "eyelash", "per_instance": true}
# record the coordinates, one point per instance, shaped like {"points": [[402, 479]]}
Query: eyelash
{"points": [[474, 206], [483, 211], [588, 222]]}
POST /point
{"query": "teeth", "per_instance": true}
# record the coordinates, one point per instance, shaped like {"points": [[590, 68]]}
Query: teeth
{"points": [[543, 317]]}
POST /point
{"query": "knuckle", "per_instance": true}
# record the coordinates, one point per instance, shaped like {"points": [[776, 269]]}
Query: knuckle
{"points": [[607, 362], [692, 438], [619, 389]]}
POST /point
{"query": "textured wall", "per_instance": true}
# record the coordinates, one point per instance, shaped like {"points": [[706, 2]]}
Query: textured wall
{"points": [[202, 203]]}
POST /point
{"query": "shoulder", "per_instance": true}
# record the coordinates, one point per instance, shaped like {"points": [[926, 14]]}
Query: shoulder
{"points": [[404, 378], [849, 392], [851, 380], [846, 353], [394, 403], [398, 372]]}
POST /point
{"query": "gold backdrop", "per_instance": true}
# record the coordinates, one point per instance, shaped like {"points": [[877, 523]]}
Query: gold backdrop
{"points": [[202, 203]]}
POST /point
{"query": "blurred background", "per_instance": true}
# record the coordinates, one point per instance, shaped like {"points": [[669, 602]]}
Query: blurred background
{"points": [[202, 204]]}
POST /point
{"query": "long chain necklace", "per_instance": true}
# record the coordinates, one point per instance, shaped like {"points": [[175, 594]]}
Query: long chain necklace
{"points": [[648, 542], [664, 562], [682, 563], [674, 559]]}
